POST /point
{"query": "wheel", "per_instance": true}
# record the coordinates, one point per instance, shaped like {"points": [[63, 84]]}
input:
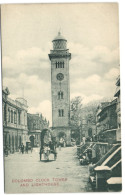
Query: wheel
{"points": [[40, 155], [55, 156]]}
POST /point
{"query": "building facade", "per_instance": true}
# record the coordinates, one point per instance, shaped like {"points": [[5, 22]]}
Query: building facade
{"points": [[36, 123], [118, 108], [15, 129], [106, 123], [60, 88]]}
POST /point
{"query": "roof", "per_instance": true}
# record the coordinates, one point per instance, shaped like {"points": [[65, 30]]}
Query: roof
{"points": [[109, 130], [5, 90], [114, 180], [59, 37], [102, 168], [110, 104]]}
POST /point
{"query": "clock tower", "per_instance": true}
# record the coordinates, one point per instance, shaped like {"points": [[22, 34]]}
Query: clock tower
{"points": [[60, 88]]}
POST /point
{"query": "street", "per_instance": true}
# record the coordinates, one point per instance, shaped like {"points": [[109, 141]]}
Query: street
{"points": [[25, 173]]}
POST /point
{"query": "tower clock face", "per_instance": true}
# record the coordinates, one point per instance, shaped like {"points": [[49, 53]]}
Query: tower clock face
{"points": [[60, 76]]}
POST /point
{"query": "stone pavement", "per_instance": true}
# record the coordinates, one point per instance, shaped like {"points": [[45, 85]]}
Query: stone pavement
{"points": [[24, 173]]}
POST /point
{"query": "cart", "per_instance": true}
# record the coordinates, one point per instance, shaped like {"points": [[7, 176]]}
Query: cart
{"points": [[48, 144]]}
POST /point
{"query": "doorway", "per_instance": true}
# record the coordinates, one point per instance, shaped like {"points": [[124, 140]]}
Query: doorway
{"points": [[32, 140]]}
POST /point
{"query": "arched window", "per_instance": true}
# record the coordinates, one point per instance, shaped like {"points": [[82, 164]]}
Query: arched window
{"points": [[9, 140], [63, 65], [8, 115], [61, 95], [60, 64], [19, 117], [61, 112], [15, 118], [4, 112], [34, 125], [11, 116], [56, 64], [24, 118]]}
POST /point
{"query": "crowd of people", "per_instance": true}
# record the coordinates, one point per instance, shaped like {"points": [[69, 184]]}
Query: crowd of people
{"points": [[25, 149], [22, 149]]}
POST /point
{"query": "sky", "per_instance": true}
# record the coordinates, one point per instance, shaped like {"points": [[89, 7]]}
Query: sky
{"points": [[92, 35]]}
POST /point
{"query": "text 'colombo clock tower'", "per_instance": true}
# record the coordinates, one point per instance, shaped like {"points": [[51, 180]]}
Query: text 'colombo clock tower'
{"points": [[60, 88]]}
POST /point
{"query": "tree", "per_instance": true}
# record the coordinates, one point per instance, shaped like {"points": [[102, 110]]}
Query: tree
{"points": [[76, 116], [90, 113], [76, 111], [82, 114]]}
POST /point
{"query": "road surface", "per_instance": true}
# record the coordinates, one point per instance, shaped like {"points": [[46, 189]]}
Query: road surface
{"points": [[24, 173]]}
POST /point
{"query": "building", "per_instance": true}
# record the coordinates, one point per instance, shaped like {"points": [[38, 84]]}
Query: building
{"points": [[118, 108], [107, 121], [36, 123], [88, 128], [15, 129], [100, 107], [60, 88]]}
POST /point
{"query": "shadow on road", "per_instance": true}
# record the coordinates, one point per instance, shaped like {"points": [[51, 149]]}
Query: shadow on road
{"points": [[46, 161]]}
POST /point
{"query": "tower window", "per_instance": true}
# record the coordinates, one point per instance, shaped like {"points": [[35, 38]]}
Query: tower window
{"points": [[63, 64], [56, 64], [59, 64], [61, 112], [60, 95]]}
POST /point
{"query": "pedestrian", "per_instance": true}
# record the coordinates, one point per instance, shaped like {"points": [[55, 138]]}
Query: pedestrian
{"points": [[26, 149], [59, 146], [60, 143], [83, 140], [89, 151], [93, 138], [64, 143], [31, 149], [6, 150], [22, 148], [94, 154]]}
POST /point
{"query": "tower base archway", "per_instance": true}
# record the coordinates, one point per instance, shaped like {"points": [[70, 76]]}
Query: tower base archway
{"points": [[63, 132]]}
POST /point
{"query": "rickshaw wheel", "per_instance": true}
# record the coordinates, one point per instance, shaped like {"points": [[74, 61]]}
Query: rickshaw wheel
{"points": [[55, 156], [40, 155]]}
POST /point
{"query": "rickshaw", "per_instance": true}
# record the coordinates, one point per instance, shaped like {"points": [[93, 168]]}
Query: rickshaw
{"points": [[28, 147], [48, 144]]}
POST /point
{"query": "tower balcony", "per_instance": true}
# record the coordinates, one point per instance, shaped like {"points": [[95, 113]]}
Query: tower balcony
{"points": [[64, 51], [59, 54]]}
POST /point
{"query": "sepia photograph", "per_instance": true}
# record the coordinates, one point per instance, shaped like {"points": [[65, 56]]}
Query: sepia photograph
{"points": [[61, 101]]}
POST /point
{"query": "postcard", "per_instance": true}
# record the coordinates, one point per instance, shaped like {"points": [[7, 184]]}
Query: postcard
{"points": [[61, 98]]}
